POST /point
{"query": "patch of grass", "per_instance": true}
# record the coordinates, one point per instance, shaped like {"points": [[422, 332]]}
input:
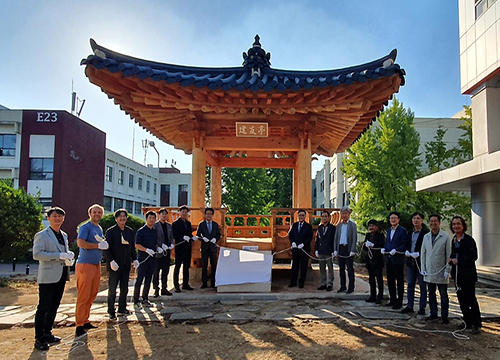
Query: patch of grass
{"points": [[4, 282]]}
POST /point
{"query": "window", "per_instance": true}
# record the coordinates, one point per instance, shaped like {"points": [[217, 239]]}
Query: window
{"points": [[138, 208], [332, 176], [148, 185], [121, 177], [118, 203], [482, 6], [165, 195], [129, 206], [42, 169], [154, 188], [322, 186], [107, 203], [182, 198], [346, 199], [139, 184], [315, 192], [109, 173], [46, 204], [130, 180], [332, 202], [7, 145]]}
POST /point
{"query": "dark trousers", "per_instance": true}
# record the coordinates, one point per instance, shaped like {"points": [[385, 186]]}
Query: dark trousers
{"points": [[182, 258], [445, 301], [144, 272], [413, 276], [114, 277], [49, 298], [376, 280], [468, 304], [205, 255], [343, 263], [161, 264], [300, 260], [395, 273]]}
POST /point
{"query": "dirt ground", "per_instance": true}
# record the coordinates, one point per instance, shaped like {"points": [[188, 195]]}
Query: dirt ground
{"points": [[342, 338]]}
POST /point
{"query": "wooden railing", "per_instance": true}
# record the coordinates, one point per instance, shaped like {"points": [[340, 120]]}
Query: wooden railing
{"points": [[239, 226]]}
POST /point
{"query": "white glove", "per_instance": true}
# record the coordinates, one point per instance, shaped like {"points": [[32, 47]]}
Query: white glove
{"points": [[335, 254], [114, 266], [213, 241], [393, 252], [407, 253], [424, 273], [103, 245], [185, 237], [71, 255], [316, 253], [300, 246], [159, 250], [294, 245], [164, 247], [69, 262], [194, 238], [64, 256], [150, 252], [369, 244], [136, 264], [352, 254], [171, 247], [205, 239], [382, 251], [98, 238], [415, 254], [446, 274]]}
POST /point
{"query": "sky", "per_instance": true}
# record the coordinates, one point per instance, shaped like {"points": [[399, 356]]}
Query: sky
{"points": [[43, 42]]}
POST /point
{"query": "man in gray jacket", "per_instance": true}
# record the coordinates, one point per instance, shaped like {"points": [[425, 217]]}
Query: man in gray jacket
{"points": [[436, 250], [162, 261], [50, 248], [345, 240]]}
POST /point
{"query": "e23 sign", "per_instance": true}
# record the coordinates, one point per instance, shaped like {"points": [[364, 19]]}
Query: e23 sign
{"points": [[46, 117]]}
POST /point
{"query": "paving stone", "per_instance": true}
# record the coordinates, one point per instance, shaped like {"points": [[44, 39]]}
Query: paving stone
{"points": [[234, 302], [204, 308], [170, 310], [246, 308], [277, 316], [333, 308], [360, 303], [235, 316], [17, 318], [316, 315], [316, 301], [189, 316], [301, 308], [380, 314], [9, 308]]}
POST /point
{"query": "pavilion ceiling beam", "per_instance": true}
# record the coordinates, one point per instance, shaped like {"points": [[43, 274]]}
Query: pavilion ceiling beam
{"points": [[263, 144], [271, 163]]}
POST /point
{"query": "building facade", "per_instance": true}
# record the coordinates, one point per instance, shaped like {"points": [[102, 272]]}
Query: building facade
{"points": [[479, 32], [175, 187]]}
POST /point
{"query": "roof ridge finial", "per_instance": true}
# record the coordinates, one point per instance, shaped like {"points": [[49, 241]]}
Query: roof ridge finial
{"points": [[257, 41], [256, 58]]}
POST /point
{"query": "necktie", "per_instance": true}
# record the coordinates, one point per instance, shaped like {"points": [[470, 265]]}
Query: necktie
{"points": [[209, 227], [300, 226]]}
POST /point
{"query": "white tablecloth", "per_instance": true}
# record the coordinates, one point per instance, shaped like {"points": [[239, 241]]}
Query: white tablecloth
{"points": [[243, 267]]}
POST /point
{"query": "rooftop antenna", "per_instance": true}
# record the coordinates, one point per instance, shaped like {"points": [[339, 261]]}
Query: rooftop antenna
{"points": [[74, 102], [145, 146]]}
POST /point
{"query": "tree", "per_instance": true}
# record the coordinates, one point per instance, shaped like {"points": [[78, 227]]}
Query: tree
{"points": [[382, 165], [21, 219], [464, 151], [108, 220], [437, 156], [282, 187]]}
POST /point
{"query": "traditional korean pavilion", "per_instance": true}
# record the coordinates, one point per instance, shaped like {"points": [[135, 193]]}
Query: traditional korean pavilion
{"points": [[247, 116]]}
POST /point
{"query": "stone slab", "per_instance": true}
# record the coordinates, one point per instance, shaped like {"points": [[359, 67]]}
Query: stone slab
{"points": [[236, 316], [234, 302], [189, 316], [170, 310], [316, 315], [16, 318], [9, 308], [381, 314], [246, 308], [264, 287], [277, 316], [204, 308]]}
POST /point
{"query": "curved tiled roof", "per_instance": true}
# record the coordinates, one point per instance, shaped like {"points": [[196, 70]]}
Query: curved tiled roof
{"points": [[255, 74]]}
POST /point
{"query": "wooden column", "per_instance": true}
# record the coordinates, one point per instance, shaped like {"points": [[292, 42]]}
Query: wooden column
{"points": [[304, 181], [216, 186], [295, 190], [198, 183]]}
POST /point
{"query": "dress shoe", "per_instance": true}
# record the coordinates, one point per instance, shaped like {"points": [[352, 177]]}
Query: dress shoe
{"points": [[301, 286], [112, 317], [407, 310], [187, 287], [137, 304], [341, 290], [370, 299], [178, 290], [421, 312], [431, 317], [166, 292], [157, 294], [213, 286], [397, 306], [350, 291], [390, 303], [80, 330], [146, 302], [51, 339], [476, 330], [88, 326], [124, 312], [292, 285], [322, 287], [378, 301], [445, 321], [203, 286], [329, 288], [41, 344]]}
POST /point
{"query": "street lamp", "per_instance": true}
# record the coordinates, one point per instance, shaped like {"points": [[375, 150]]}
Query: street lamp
{"points": [[153, 145]]}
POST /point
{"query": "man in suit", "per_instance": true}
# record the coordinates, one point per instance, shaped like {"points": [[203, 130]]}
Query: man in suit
{"points": [[183, 236], [374, 262], [436, 250], [300, 236], [346, 239], [412, 260], [50, 248], [324, 250], [394, 250], [208, 233], [165, 244], [120, 254]]}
